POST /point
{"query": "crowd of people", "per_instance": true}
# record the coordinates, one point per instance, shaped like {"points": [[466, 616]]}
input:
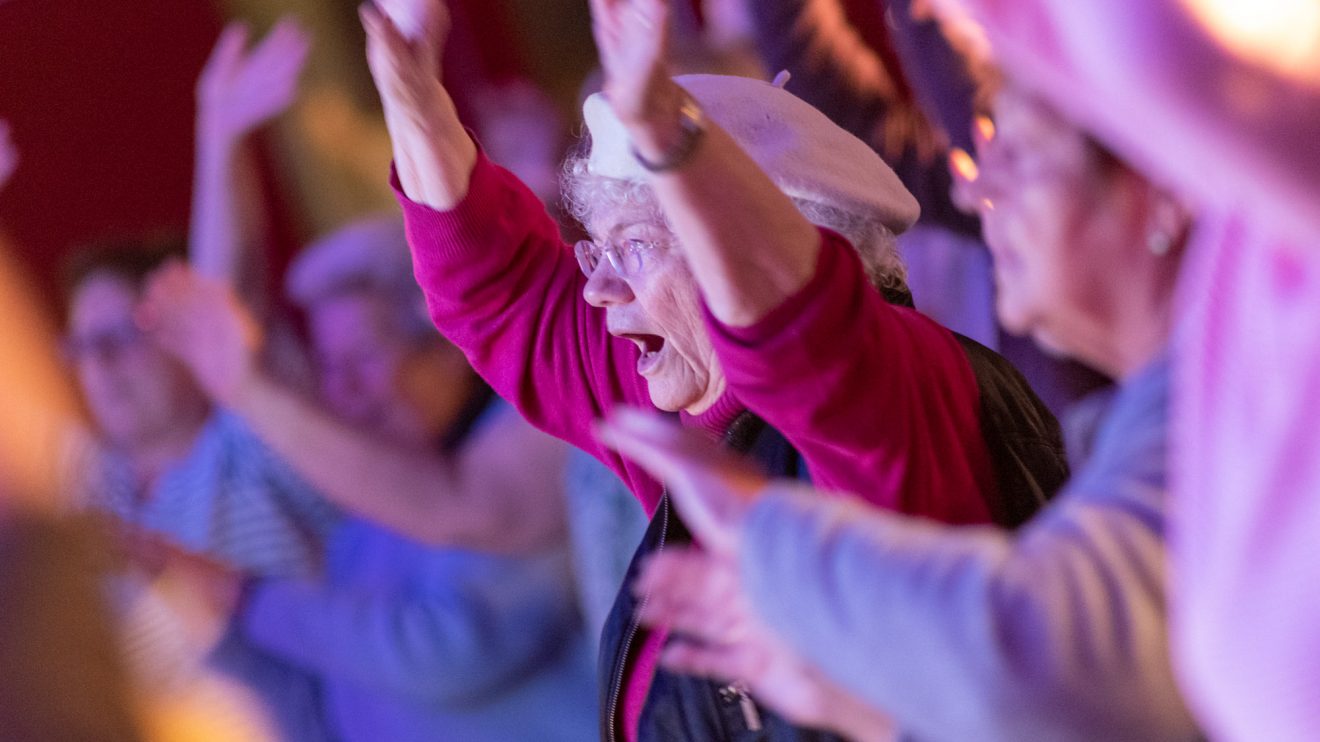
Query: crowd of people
{"points": [[728, 433]]}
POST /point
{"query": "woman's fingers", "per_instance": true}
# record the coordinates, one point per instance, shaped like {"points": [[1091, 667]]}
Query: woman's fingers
{"points": [[694, 593], [718, 662], [710, 487]]}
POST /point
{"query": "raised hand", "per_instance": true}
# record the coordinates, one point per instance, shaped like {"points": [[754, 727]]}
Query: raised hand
{"points": [[239, 90], [711, 488], [8, 154], [404, 41], [433, 154], [202, 323], [633, 39]]}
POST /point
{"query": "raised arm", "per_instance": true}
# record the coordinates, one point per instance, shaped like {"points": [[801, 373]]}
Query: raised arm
{"points": [[499, 281], [433, 154], [719, 201], [500, 493], [237, 92]]}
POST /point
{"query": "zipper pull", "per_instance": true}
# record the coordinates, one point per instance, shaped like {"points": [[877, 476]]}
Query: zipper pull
{"points": [[751, 716]]}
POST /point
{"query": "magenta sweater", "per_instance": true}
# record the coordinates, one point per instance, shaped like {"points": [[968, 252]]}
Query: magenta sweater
{"points": [[879, 400]]}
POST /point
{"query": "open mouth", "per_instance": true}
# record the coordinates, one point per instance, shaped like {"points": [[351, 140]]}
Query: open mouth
{"points": [[650, 346]]}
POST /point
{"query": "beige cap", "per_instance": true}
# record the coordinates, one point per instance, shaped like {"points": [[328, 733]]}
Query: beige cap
{"points": [[806, 154]]}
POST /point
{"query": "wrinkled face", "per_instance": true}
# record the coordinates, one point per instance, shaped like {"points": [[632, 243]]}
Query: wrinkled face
{"points": [[362, 357], [658, 308], [1048, 214], [135, 392]]}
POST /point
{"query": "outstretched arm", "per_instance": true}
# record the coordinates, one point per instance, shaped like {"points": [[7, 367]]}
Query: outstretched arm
{"points": [[237, 92], [719, 201], [499, 493], [433, 154], [461, 627]]}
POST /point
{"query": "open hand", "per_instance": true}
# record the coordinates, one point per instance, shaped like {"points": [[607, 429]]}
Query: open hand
{"points": [[633, 39], [698, 597], [404, 41], [202, 323], [711, 487], [239, 90]]}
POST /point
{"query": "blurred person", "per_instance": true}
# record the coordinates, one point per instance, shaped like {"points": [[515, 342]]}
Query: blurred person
{"points": [[1056, 632], [408, 640], [913, 100], [376, 356], [60, 640], [1236, 132], [56, 640], [162, 460], [502, 286]]}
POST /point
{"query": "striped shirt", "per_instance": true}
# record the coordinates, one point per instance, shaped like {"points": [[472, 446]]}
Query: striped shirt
{"points": [[230, 498]]}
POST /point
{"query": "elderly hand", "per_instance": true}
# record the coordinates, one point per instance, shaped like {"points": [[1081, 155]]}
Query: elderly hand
{"points": [[238, 91], [697, 596], [433, 154], [404, 41], [633, 39], [711, 488], [201, 322], [8, 154]]}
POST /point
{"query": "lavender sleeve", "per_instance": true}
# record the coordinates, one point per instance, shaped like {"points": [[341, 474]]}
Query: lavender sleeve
{"points": [[970, 633]]}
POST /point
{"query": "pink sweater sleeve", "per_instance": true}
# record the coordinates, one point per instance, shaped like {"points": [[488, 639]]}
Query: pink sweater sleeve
{"points": [[502, 285], [880, 400]]}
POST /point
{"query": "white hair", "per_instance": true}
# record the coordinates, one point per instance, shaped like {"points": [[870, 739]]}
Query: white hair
{"points": [[587, 196]]}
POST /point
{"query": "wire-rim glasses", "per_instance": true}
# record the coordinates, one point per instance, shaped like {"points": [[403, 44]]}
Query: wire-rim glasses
{"points": [[625, 256]]}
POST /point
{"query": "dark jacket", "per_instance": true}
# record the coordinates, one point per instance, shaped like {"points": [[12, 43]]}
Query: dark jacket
{"points": [[1026, 450]]}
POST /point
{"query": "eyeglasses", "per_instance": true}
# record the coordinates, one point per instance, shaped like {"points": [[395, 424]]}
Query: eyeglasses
{"points": [[109, 344], [626, 256]]}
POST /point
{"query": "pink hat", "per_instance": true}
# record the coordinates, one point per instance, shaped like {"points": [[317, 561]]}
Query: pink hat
{"points": [[806, 154]]}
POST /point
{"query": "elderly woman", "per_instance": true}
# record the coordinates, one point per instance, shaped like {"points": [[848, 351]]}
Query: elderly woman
{"points": [[1057, 632], [1190, 85], [793, 356]]}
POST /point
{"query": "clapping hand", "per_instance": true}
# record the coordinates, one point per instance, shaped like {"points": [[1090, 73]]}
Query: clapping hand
{"points": [[241, 89]]}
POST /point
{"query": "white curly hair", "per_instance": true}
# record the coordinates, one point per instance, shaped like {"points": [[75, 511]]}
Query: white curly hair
{"points": [[587, 196]]}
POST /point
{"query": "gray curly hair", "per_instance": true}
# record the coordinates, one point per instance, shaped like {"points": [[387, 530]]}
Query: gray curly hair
{"points": [[587, 195]]}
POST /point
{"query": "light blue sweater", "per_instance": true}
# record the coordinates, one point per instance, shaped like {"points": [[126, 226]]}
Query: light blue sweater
{"points": [[1056, 632], [418, 643]]}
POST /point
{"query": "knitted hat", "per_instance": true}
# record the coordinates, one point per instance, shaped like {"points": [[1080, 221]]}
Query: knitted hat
{"points": [[372, 251], [806, 154]]}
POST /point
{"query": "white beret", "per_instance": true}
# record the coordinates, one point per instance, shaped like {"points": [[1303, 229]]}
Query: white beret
{"points": [[373, 251], [806, 154]]}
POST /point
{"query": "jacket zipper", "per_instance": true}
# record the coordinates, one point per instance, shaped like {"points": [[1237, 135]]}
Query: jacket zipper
{"points": [[635, 624]]}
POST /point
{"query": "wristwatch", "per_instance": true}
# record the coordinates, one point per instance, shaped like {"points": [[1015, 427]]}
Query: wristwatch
{"points": [[692, 125]]}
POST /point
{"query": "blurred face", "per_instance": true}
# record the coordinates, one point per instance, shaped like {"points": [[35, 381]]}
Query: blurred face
{"points": [[135, 392], [363, 360], [1052, 218], [656, 306]]}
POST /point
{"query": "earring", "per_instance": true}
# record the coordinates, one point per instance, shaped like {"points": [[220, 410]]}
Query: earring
{"points": [[1159, 243]]}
